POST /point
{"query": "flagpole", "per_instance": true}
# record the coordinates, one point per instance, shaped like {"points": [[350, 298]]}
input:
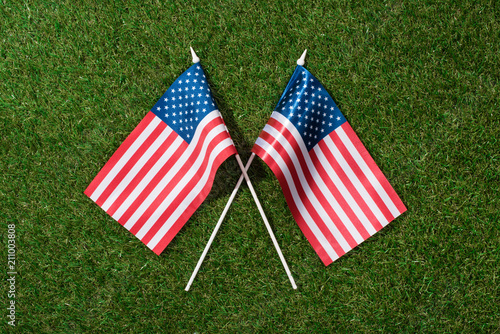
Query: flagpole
{"points": [[219, 223], [266, 222]]}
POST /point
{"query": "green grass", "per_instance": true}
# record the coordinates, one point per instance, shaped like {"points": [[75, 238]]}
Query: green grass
{"points": [[418, 81]]}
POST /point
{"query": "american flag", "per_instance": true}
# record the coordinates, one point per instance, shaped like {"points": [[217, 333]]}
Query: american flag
{"points": [[335, 191], [165, 168]]}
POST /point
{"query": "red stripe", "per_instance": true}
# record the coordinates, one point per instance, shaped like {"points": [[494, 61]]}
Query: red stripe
{"points": [[142, 173], [360, 175], [316, 217], [310, 180], [152, 184], [158, 177], [338, 196], [348, 184], [374, 168], [119, 153], [131, 162], [311, 237], [193, 206], [157, 203]]}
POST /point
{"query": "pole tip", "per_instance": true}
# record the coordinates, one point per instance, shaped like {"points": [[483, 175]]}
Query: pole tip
{"points": [[302, 59], [195, 57]]}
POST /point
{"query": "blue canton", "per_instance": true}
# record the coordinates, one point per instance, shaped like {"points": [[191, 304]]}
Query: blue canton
{"points": [[186, 102], [306, 103]]}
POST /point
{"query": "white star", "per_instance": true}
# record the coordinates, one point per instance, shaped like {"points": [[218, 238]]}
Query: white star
{"points": [[166, 115], [188, 136], [189, 73], [187, 81], [173, 98], [174, 122], [166, 107], [196, 74], [180, 81], [329, 124], [180, 97], [180, 89], [173, 107], [204, 110], [338, 118], [331, 116]]}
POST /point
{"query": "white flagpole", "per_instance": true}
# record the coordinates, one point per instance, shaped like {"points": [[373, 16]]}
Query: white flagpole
{"points": [[219, 223], [269, 230], [244, 174]]}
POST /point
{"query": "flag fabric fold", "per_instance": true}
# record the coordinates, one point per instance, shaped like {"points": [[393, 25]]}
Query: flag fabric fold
{"points": [[165, 168], [335, 191]]}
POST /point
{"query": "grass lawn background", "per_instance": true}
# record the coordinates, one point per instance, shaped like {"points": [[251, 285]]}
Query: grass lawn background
{"points": [[418, 82]]}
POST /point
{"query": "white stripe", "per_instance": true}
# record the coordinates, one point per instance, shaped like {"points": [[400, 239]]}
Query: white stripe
{"points": [[147, 179], [368, 173], [296, 198], [194, 168], [308, 193], [317, 178], [187, 201], [178, 166], [137, 167], [344, 165], [123, 160], [344, 192]]}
